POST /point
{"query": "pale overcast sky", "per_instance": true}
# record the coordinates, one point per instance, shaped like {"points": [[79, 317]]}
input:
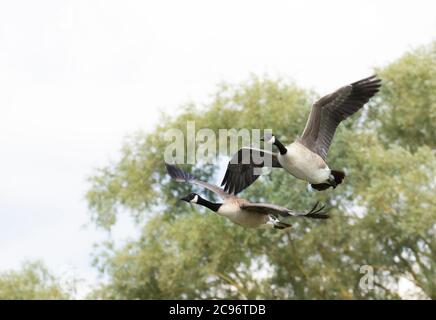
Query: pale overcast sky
{"points": [[78, 76]]}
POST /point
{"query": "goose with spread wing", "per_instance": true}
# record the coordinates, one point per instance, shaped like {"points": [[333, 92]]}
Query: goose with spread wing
{"points": [[240, 211], [306, 157]]}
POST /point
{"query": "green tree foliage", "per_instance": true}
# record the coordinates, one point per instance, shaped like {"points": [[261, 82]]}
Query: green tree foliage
{"points": [[32, 282], [406, 113], [383, 215]]}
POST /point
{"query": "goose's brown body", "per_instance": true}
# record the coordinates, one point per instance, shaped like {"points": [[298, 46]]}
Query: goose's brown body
{"points": [[232, 210]]}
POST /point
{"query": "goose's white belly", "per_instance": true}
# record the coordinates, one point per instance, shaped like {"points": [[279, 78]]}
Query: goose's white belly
{"points": [[232, 211], [304, 164]]}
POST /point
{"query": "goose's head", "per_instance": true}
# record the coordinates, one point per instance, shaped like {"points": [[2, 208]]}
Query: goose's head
{"points": [[269, 138], [192, 198]]}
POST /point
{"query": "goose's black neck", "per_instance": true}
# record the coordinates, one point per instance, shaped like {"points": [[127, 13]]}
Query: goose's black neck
{"points": [[212, 206], [280, 146]]}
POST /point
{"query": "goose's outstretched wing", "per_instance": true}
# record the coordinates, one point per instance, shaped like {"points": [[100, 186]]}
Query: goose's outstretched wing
{"points": [[181, 176], [244, 168], [330, 110], [268, 208]]}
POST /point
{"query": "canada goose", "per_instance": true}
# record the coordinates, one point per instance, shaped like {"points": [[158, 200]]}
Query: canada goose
{"points": [[306, 157], [240, 211]]}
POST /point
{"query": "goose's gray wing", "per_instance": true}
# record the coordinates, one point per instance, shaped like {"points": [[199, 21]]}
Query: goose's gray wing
{"points": [[268, 208], [244, 168], [181, 176], [330, 110]]}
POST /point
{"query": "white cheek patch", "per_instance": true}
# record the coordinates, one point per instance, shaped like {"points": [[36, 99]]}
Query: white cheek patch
{"points": [[272, 140], [195, 199]]}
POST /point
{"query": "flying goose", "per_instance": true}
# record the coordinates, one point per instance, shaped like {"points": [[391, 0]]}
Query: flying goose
{"points": [[305, 158], [240, 211]]}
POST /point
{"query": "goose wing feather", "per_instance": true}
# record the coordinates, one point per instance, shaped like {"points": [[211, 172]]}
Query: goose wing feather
{"points": [[241, 171], [181, 176], [330, 110], [268, 208]]}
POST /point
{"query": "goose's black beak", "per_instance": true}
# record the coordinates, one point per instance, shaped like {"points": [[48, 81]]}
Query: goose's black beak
{"points": [[184, 199]]}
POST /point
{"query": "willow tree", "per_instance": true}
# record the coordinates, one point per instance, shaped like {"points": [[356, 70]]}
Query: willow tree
{"points": [[383, 217], [33, 281]]}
